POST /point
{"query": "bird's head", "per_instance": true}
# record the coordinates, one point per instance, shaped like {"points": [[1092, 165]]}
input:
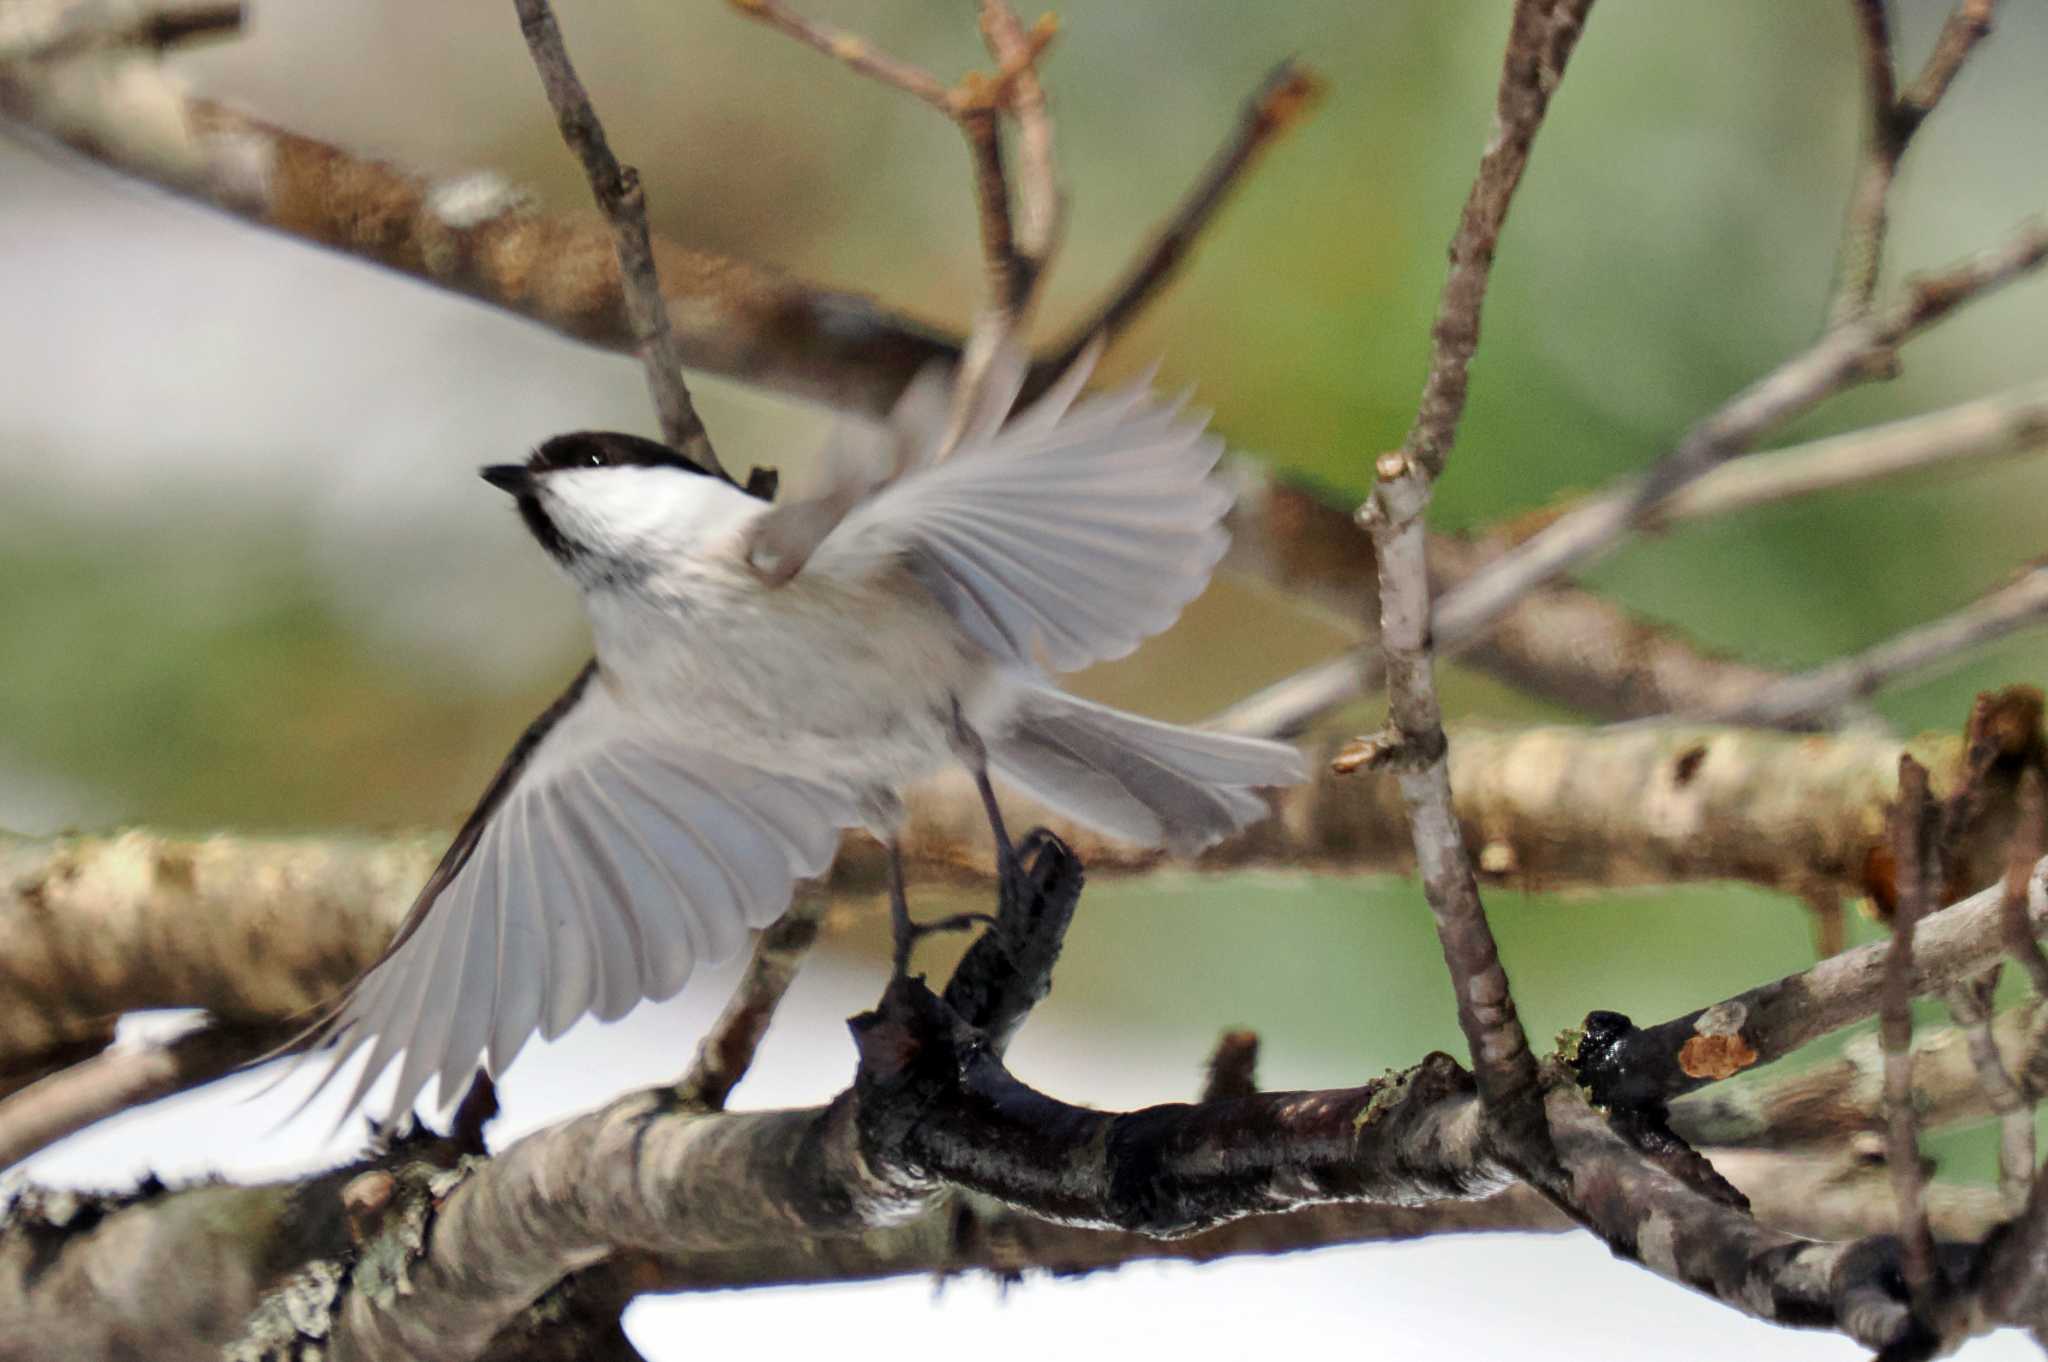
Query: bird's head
{"points": [[609, 505]]}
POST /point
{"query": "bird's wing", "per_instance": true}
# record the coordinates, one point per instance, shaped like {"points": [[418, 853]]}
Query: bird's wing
{"points": [[601, 867], [1079, 528]]}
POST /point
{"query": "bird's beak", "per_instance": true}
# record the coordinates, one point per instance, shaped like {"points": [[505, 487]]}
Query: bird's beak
{"points": [[508, 477]]}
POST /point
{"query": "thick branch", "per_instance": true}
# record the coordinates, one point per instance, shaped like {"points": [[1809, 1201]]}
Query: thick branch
{"points": [[259, 930]]}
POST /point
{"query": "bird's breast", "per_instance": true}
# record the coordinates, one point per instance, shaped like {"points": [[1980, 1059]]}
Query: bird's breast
{"points": [[848, 682]]}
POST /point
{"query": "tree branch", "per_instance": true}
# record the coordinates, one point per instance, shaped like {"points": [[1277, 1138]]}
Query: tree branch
{"points": [[1791, 701], [1626, 1066], [727, 1050], [119, 1078], [1848, 354], [618, 193], [96, 927], [1540, 42]]}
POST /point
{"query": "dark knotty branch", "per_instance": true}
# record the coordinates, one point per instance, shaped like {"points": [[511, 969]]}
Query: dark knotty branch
{"points": [[1653, 1217], [1540, 42], [931, 1107], [618, 193]]}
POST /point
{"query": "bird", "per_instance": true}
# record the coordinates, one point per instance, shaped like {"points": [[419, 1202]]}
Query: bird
{"points": [[769, 674]]}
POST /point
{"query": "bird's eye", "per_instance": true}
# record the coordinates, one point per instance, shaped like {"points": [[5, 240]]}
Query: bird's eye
{"points": [[593, 459]]}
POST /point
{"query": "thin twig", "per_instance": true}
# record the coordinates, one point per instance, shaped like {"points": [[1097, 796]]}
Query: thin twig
{"points": [[1846, 355], [619, 194], [1287, 95], [1637, 1066], [856, 51], [1969, 1002], [727, 1050], [1968, 24], [1017, 49], [1946, 642], [1958, 438], [125, 1077], [1953, 440], [2027, 847], [1233, 1067], [1862, 250], [1017, 240], [1540, 41], [1829, 1105], [1914, 834], [1889, 124]]}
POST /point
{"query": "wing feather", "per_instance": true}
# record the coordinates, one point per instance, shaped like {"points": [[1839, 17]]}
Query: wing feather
{"points": [[604, 866], [1069, 536]]}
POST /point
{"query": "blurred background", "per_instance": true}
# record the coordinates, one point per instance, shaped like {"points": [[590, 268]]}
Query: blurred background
{"points": [[249, 580]]}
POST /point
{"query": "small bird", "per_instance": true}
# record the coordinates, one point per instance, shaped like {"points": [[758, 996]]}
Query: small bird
{"points": [[767, 675]]}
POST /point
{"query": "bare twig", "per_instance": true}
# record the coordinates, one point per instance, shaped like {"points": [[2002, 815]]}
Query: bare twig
{"points": [[1967, 25], [1914, 841], [1846, 355], [1824, 1105], [1969, 1002], [856, 51], [125, 1076], [1796, 700], [727, 1050], [618, 192], [1566, 643], [1889, 124], [1017, 250], [1638, 1066], [1282, 100], [1540, 41], [1884, 141], [2027, 848], [1233, 1067], [1954, 439], [50, 30]]}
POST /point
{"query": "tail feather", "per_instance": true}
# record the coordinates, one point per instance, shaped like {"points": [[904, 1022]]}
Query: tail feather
{"points": [[1146, 782]]}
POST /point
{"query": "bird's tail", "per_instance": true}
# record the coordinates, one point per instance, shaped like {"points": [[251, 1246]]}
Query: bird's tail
{"points": [[1147, 782]]}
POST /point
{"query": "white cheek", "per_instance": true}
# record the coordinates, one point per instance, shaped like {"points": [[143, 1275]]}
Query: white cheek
{"points": [[639, 508]]}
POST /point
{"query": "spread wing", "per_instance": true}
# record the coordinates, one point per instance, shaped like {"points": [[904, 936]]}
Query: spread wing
{"points": [[600, 869], [1079, 528]]}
